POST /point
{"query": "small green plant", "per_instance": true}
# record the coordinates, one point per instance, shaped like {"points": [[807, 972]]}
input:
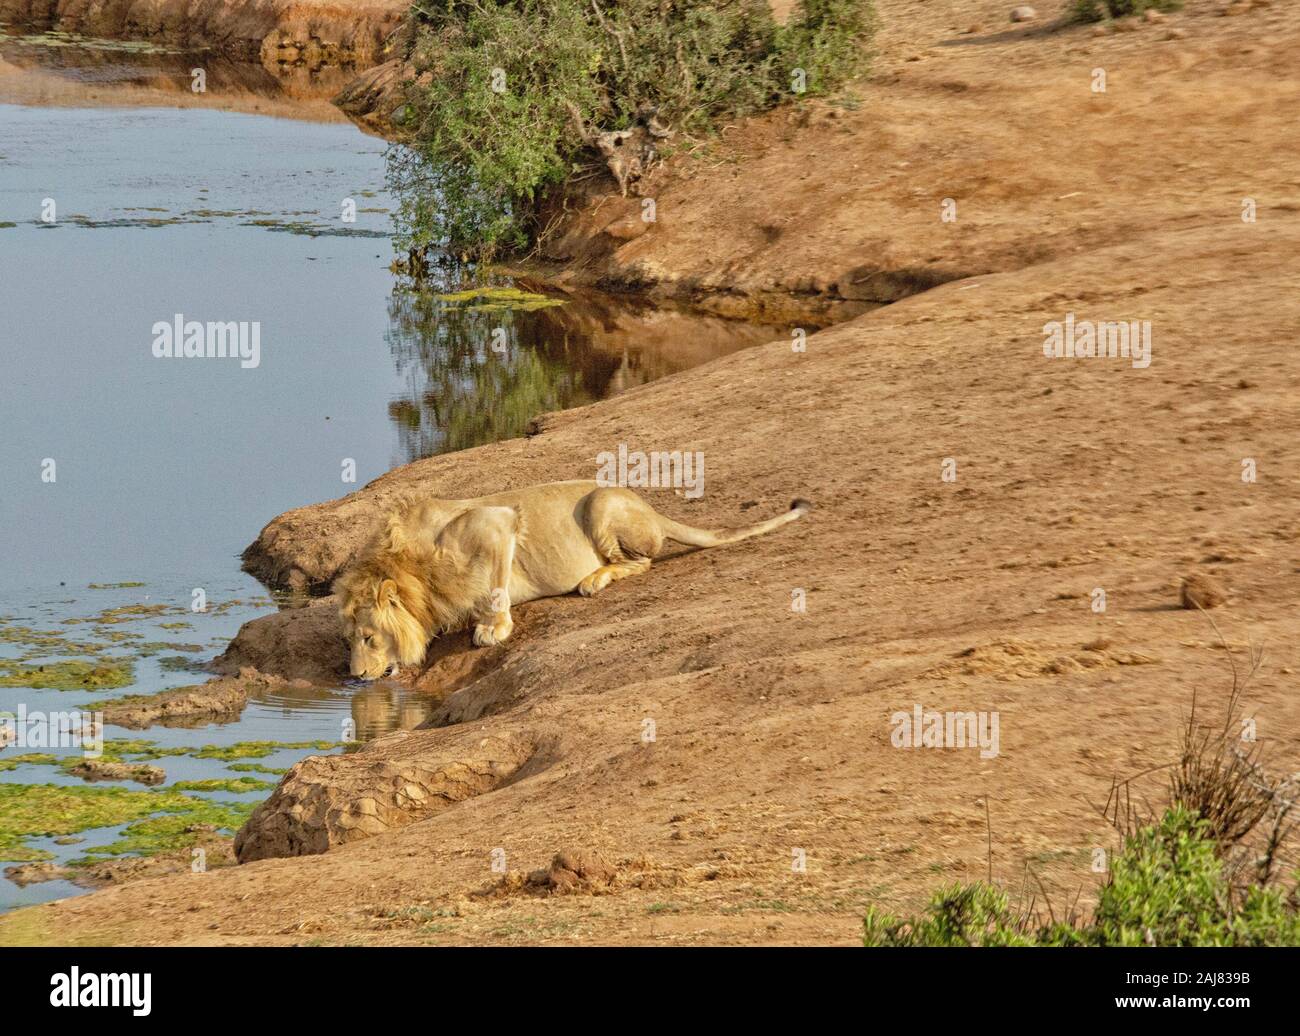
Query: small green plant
{"points": [[507, 92], [1167, 887], [1097, 10]]}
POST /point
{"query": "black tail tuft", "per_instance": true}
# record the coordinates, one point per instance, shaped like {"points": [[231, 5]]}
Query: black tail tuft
{"points": [[800, 504]]}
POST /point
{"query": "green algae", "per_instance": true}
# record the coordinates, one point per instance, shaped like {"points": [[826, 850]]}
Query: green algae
{"points": [[232, 785], [173, 830], [117, 636], [12, 762], [136, 749], [122, 749], [34, 810], [497, 299], [120, 222], [125, 613], [111, 586], [67, 676], [257, 768], [42, 643], [149, 648], [309, 229], [259, 749], [175, 625]]}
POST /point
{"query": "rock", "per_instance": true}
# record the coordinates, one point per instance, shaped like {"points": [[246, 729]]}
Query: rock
{"points": [[217, 701], [297, 643], [627, 228], [24, 874], [324, 801], [572, 871], [1200, 591], [1023, 13], [1176, 34], [1152, 15], [374, 98], [99, 770]]}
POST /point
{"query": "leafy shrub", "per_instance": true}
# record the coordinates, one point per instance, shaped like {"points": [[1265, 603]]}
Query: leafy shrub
{"points": [[1096, 10], [1167, 887], [958, 915], [490, 116]]}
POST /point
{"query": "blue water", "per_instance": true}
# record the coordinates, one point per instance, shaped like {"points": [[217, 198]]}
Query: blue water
{"points": [[164, 470]]}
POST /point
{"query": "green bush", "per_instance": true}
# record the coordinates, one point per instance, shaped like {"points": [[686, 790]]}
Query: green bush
{"points": [[1167, 887], [1096, 10], [477, 158]]}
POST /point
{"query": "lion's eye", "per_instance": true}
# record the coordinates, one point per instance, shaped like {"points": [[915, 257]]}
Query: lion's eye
{"points": [[370, 641]]}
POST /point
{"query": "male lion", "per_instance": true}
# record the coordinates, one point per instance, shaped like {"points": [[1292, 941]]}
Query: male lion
{"points": [[439, 565]]}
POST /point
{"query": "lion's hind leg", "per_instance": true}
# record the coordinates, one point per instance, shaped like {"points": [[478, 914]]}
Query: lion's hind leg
{"points": [[624, 532], [611, 573]]}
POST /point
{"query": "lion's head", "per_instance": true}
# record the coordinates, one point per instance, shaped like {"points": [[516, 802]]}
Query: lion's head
{"points": [[379, 611], [399, 594]]}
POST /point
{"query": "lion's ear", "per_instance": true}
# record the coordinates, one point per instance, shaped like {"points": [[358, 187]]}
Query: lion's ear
{"points": [[386, 594]]}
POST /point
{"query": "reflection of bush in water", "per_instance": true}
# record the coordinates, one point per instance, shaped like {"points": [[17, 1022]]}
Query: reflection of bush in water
{"points": [[463, 394]]}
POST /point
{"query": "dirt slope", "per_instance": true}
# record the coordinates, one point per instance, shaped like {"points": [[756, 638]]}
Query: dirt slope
{"points": [[844, 199], [283, 34], [772, 728]]}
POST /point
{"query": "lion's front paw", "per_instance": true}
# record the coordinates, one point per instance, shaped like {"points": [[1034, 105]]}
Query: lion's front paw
{"points": [[487, 634]]}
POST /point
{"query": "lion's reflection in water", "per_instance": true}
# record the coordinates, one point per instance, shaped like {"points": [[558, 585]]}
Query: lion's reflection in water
{"points": [[365, 710]]}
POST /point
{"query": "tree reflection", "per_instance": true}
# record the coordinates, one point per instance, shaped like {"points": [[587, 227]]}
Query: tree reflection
{"points": [[474, 376], [477, 375]]}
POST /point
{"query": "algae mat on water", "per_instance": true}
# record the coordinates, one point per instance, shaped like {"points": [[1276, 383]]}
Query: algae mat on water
{"points": [[231, 785], [137, 749], [33, 810], [498, 299], [67, 676]]}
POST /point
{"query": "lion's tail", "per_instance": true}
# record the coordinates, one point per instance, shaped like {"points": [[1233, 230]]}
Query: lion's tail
{"points": [[693, 537]]}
